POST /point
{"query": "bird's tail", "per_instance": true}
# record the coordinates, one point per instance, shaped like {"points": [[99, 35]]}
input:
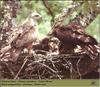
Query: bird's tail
{"points": [[93, 51], [12, 56], [15, 54], [4, 50]]}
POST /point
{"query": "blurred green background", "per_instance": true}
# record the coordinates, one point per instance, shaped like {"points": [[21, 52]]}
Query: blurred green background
{"points": [[56, 7]]}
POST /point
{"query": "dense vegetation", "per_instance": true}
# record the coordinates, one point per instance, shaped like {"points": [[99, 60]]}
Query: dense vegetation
{"points": [[50, 9], [56, 8]]}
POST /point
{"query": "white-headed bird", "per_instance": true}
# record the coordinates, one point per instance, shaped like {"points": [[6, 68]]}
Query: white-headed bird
{"points": [[23, 37]]}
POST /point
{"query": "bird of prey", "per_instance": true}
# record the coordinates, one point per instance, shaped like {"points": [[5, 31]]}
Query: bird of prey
{"points": [[23, 37], [54, 45], [47, 45], [72, 35]]}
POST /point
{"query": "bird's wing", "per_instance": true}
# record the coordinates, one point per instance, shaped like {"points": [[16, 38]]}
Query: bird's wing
{"points": [[69, 36], [15, 34], [27, 36]]}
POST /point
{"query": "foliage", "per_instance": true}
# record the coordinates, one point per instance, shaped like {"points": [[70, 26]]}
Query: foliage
{"points": [[56, 7], [94, 28]]}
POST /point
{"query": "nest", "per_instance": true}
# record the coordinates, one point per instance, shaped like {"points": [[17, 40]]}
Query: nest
{"points": [[38, 66]]}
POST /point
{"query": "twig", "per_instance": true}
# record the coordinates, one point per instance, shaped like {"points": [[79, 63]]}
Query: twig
{"points": [[78, 70], [10, 70], [21, 68], [45, 2], [55, 69], [39, 74], [5, 50], [72, 70], [48, 68]]}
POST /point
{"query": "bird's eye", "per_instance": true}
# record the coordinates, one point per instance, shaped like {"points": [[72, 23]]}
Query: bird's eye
{"points": [[36, 15]]}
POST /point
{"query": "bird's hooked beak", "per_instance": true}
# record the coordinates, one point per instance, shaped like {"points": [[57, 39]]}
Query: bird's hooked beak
{"points": [[40, 18]]}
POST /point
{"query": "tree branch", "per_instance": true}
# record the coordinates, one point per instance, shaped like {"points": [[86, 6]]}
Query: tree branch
{"points": [[45, 2]]}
